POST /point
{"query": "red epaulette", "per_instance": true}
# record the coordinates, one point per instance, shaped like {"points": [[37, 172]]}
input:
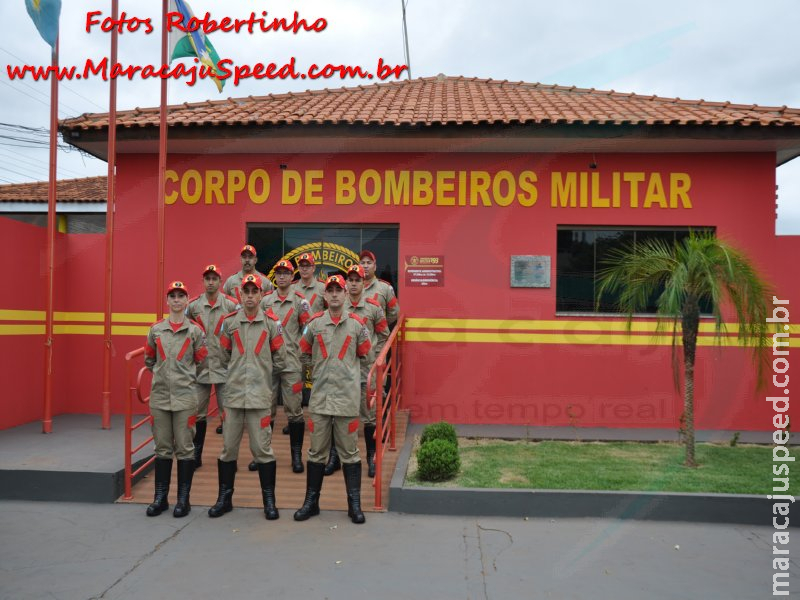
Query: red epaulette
{"points": [[203, 329], [316, 315], [195, 298], [230, 314], [231, 298], [301, 294], [386, 282], [271, 314], [159, 321], [359, 319], [375, 302], [268, 293]]}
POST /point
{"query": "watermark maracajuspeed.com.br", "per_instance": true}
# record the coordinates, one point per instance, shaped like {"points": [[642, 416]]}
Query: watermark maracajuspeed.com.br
{"points": [[105, 70]]}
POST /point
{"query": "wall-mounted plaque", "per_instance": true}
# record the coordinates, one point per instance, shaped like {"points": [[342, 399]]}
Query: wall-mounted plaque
{"points": [[424, 271], [530, 271]]}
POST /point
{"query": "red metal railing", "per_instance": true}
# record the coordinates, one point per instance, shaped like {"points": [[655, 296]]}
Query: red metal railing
{"points": [[135, 378], [388, 364], [134, 389]]}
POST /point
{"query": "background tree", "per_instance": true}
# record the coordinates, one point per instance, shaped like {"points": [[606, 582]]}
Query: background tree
{"points": [[700, 269]]}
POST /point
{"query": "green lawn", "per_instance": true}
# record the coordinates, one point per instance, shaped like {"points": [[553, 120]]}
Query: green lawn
{"points": [[743, 469]]}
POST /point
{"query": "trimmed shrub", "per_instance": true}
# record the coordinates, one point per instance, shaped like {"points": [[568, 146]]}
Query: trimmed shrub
{"points": [[439, 431], [437, 460]]}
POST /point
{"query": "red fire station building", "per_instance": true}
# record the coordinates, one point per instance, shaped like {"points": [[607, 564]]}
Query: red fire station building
{"points": [[489, 204]]}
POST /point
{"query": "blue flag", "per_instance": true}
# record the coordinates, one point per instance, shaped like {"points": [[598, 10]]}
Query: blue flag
{"points": [[193, 44], [45, 14]]}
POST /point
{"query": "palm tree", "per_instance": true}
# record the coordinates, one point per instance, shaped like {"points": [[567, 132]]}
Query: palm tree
{"points": [[700, 269]]}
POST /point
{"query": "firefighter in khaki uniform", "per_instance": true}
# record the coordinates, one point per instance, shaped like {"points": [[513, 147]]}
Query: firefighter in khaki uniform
{"points": [[174, 349], [254, 350], [209, 309], [338, 345], [290, 306], [380, 290], [370, 311], [232, 283], [312, 288], [314, 291]]}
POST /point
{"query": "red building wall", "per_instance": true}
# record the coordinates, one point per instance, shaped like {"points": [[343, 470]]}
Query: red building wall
{"points": [[570, 370]]}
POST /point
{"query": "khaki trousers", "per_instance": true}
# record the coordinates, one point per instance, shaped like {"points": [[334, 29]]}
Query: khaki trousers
{"points": [[257, 421], [290, 387], [204, 396], [343, 430], [173, 432]]}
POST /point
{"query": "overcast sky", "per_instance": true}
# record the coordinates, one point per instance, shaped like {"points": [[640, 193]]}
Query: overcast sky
{"points": [[733, 50]]}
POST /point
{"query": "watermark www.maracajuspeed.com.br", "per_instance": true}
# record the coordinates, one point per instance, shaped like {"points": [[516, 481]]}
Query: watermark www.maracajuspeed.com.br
{"points": [[781, 456], [105, 70]]}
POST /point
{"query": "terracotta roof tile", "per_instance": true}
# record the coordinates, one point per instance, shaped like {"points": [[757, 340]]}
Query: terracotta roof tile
{"points": [[444, 100], [86, 189]]}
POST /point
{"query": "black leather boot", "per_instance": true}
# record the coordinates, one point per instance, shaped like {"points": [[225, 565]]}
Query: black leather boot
{"points": [[352, 481], [315, 472], [185, 472], [369, 440], [296, 434], [227, 474], [266, 475], [334, 464], [163, 473], [199, 440]]}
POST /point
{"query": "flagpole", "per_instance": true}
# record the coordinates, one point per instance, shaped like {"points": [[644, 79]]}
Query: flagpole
{"points": [[47, 418], [110, 207], [162, 162]]}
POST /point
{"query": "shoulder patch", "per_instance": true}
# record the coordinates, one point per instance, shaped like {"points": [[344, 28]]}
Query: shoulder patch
{"points": [[375, 302]]}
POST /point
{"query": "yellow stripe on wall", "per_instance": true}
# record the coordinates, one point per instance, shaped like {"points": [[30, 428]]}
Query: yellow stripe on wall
{"points": [[509, 331], [139, 330], [78, 329], [557, 325], [21, 329], [22, 315], [559, 338]]}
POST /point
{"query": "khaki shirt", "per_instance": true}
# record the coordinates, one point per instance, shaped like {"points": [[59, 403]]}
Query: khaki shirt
{"points": [[293, 312], [314, 294], [383, 292], [173, 357], [253, 351], [370, 311], [210, 318], [233, 283], [338, 354]]}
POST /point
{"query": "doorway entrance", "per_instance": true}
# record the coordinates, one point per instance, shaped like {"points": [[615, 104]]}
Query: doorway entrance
{"points": [[335, 246]]}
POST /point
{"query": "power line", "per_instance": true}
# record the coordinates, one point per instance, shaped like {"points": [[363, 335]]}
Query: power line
{"points": [[37, 164]]}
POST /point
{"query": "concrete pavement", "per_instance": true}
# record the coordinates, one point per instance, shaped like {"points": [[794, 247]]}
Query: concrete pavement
{"points": [[72, 551]]}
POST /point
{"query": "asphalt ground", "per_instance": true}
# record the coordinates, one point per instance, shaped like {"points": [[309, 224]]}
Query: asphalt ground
{"points": [[113, 551]]}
